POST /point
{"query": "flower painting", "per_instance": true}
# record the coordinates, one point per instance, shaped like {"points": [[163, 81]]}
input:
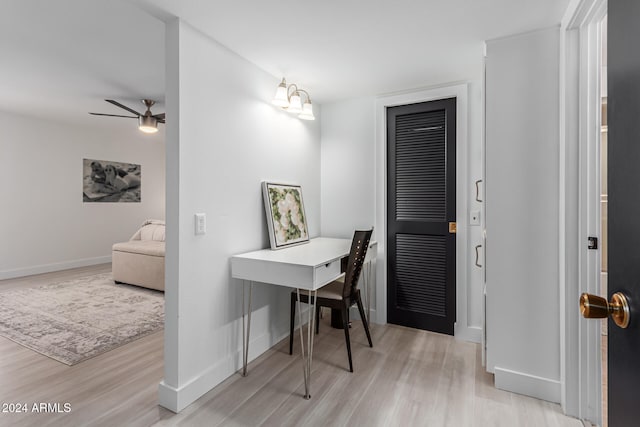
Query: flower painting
{"points": [[286, 218]]}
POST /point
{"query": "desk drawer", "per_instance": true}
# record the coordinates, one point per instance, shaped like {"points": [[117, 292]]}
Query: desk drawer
{"points": [[327, 272]]}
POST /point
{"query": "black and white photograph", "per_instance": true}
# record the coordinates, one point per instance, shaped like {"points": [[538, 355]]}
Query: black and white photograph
{"points": [[107, 181]]}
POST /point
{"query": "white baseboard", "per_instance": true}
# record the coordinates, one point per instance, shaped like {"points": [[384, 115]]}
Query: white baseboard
{"points": [[176, 399], [529, 385], [48, 268], [468, 333], [168, 397]]}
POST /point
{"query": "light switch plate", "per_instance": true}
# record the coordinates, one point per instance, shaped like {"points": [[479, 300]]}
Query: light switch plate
{"points": [[474, 217], [201, 223]]}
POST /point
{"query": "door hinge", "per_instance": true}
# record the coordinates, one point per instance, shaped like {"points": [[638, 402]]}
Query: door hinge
{"points": [[593, 242], [453, 227]]}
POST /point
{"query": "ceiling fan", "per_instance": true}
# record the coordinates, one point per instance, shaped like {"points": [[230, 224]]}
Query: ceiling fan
{"points": [[147, 122]]}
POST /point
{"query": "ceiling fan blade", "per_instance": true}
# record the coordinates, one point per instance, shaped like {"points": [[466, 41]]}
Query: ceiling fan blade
{"points": [[117, 104], [113, 115], [161, 121], [160, 116]]}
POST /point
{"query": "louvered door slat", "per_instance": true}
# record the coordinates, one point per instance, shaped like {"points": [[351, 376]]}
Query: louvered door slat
{"points": [[420, 180], [421, 286]]}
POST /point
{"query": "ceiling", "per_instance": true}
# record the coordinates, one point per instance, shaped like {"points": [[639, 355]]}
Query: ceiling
{"points": [[348, 48], [61, 58]]}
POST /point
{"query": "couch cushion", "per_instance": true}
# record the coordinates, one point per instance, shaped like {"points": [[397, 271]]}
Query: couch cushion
{"points": [[145, 247], [152, 232]]}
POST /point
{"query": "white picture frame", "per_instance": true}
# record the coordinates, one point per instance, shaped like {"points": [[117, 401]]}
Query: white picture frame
{"points": [[285, 214]]}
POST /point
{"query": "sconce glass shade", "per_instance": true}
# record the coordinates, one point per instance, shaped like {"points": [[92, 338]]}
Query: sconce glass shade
{"points": [[295, 104], [148, 124], [281, 99], [307, 112]]}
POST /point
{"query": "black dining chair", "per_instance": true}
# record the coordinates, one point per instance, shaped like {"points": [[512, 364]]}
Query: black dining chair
{"points": [[342, 293]]}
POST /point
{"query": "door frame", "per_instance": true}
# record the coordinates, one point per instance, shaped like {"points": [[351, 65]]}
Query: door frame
{"points": [[580, 62], [462, 329]]}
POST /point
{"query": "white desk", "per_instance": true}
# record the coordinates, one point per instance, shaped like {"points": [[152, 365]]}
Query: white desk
{"points": [[309, 266]]}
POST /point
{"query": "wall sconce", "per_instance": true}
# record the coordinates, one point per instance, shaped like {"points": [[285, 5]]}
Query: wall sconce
{"points": [[289, 99]]}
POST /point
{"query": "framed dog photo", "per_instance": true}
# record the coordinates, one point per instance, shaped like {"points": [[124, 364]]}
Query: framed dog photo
{"points": [[107, 181], [286, 218]]}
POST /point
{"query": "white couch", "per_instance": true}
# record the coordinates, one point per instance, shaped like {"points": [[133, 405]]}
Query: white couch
{"points": [[140, 261]]}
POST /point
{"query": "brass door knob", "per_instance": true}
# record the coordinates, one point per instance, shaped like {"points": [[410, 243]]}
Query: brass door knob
{"points": [[595, 307]]}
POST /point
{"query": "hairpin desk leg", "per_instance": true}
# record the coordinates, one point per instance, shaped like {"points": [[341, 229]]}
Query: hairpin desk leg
{"points": [[245, 337], [306, 360]]}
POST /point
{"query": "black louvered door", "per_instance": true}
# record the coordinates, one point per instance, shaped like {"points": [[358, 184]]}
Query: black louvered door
{"points": [[421, 202]]}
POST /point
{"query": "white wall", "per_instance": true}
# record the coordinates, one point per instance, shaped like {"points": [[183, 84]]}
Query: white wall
{"points": [[225, 138], [522, 205], [348, 167], [351, 187], [44, 224]]}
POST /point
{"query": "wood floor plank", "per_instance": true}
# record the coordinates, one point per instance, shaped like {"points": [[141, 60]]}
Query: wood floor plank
{"points": [[374, 408], [489, 412], [274, 393], [331, 385], [340, 401], [457, 380], [421, 400]]}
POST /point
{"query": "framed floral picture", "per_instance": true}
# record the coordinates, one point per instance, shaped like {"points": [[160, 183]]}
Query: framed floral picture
{"points": [[286, 218]]}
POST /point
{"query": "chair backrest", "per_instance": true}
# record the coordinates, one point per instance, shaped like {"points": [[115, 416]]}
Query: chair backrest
{"points": [[359, 246]]}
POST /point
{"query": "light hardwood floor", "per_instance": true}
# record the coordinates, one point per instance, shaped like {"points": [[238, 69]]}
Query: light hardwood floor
{"points": [[410, 377], [117, 388]]}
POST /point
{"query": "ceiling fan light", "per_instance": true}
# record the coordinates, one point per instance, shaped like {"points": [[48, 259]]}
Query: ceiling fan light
{"points": [[307, 112], [295, 104], [148, 124], [281, 99]]}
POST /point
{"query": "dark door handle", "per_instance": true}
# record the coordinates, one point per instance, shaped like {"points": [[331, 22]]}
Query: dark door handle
{"points": [[478, 256], [478, 199]]}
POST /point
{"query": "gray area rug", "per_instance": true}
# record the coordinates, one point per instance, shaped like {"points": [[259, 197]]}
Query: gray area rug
{"points": [[75, 320]]}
